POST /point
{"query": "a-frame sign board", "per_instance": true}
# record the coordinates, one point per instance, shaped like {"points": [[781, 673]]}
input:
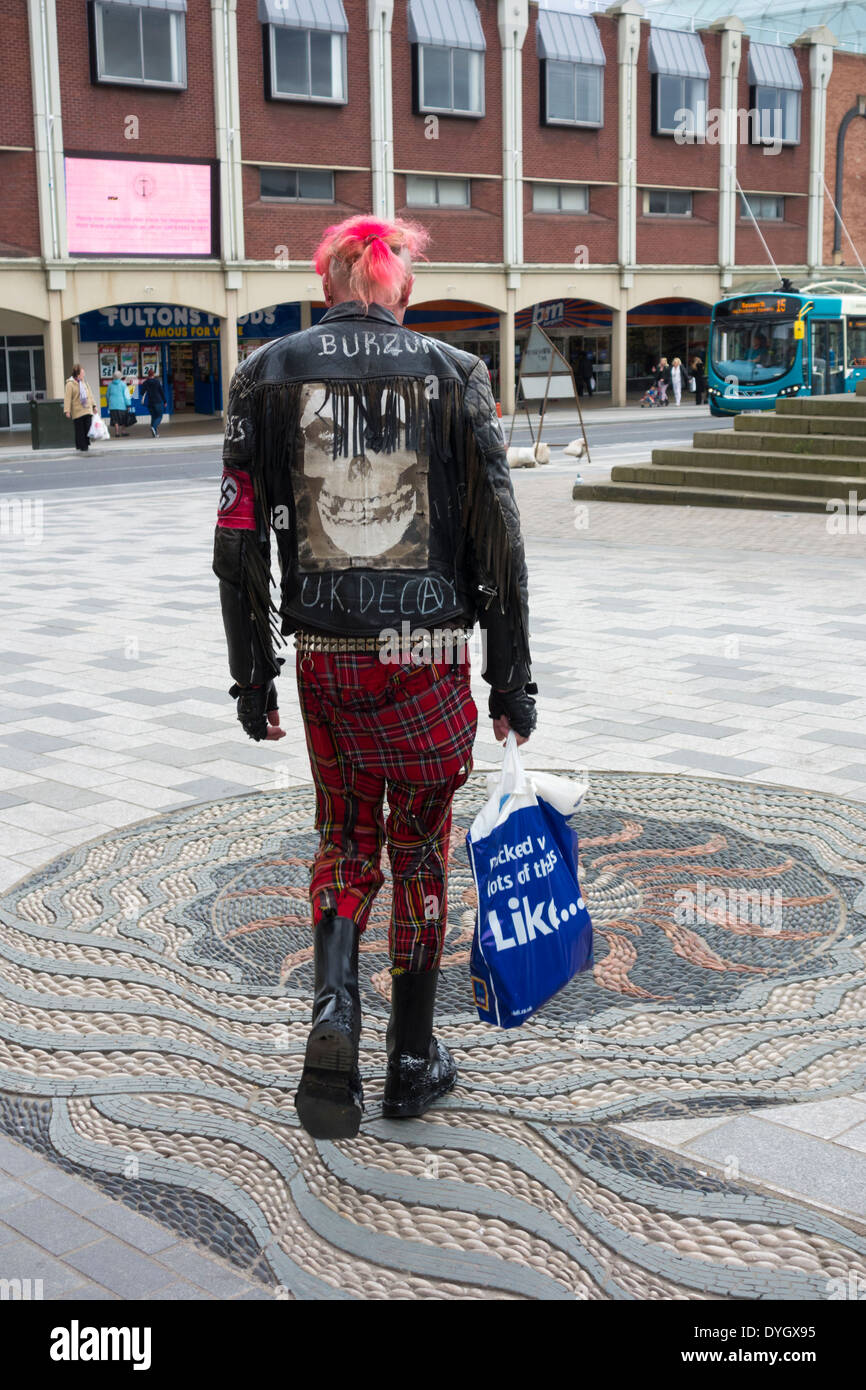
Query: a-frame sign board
{"points": [[545, 375]]}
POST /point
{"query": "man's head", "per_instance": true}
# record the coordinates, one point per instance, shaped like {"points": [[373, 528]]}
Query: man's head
{"points": [[369, 259]]}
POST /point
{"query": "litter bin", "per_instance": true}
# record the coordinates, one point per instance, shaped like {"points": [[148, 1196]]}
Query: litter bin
{"points": [[49, 427]]}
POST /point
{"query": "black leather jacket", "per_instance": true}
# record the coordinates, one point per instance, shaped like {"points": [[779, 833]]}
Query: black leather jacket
{"points": [[375, 456]]}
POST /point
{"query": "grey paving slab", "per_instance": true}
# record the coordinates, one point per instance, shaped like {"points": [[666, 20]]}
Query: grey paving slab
{"points": [[51, 1225], [632, 732], [60, 795], [143, 697], [124, 1271], [21, 1259], [203, 1272], [127, 1225], [181, 1291], [35, 743], [194, 723], [839, 738], [11, 799], [12, 1193], [88, 1293], [35, 688], [691, 726], [767, 698], [72, 713], [815, 1169], [712, 762], [209, 788], [854, 772], [17, 1159], [823, 1118]]}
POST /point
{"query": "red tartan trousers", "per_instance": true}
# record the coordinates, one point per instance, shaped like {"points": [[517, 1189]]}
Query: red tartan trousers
{"points": [[375, 729]]}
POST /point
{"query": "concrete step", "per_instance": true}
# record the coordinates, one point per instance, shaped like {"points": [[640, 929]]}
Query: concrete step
{"points": [[839, 444], [773, 423], [695, 497], [761, 461], [813, 485], [847, 404]]}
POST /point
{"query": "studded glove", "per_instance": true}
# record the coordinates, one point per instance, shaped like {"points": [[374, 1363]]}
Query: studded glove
{"points": [[518, 705], [254, 704]]}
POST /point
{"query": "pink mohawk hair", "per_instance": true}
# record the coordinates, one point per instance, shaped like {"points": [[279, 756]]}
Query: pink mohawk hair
{"points": [[367, 251]]}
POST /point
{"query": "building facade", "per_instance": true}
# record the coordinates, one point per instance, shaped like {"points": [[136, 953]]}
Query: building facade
{"points": [[169, 165]]}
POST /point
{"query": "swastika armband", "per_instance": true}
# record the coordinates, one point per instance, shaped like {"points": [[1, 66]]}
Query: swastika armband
{"points": [[236, 509]]}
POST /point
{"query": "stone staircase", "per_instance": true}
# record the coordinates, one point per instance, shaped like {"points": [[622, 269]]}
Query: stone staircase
{"points": [[797, 458]]}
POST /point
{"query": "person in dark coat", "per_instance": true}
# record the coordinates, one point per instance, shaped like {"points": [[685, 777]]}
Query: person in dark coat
{"points": [[585, 365], [696, 368], [153, 397]]}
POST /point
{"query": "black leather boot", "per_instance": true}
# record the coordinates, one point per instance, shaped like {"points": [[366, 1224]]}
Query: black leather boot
{"points": [[420, 1069], [330, 1099]]}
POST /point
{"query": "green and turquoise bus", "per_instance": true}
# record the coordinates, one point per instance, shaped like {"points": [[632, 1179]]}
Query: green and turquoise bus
{"points": [[783, 343]]}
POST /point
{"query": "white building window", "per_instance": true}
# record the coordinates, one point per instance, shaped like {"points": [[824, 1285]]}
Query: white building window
{"points": [[139, 44], [448, 48], [307, 65], [572, 94], [450, 80], [766, 207], [777, 115], [297, 185], [560, 197], [667, 202], [680, 78], [775, 85], [430, 191]]}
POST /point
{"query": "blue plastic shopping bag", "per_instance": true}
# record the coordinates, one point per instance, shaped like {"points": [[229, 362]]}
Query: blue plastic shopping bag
{"points": [[532, 929]]}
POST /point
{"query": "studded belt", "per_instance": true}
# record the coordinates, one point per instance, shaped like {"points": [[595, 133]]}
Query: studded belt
{"points": [[440, 638]]}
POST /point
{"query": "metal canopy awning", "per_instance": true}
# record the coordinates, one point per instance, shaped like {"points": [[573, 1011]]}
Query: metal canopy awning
{"points": [[568, 38], [446, 24], [675, 53], [327, 15], [770, 65]]}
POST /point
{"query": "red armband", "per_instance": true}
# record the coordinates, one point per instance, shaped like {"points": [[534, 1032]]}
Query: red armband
{"points": [[236, 505]]}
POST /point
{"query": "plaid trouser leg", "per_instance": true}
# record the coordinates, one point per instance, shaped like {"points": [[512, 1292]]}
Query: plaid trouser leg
{"points": [[419, 833], [346, 873]]}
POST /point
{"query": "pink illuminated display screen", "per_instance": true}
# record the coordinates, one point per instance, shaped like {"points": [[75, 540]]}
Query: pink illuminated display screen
{"points": [[132, 207]]}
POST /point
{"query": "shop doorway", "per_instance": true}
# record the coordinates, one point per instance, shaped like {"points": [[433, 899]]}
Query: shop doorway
{"points": [[192, 375], [22, 375]]}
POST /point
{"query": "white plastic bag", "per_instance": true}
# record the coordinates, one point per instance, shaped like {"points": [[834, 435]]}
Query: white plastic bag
{"points": [[98, 428]]}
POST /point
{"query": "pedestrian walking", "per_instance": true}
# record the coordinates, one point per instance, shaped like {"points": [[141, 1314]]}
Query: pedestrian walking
{"points": [[585, 367], [677, 379], [404, 532], [663, 380], [696, 367], [119, 403], [153, 396], [79, 406]]}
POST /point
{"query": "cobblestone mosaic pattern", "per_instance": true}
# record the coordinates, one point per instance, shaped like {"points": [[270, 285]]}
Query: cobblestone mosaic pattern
{"points": [[156, 988]]}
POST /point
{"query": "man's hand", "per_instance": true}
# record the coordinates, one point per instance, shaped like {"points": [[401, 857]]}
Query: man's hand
{"points": [[513, 709], [258, 711]]}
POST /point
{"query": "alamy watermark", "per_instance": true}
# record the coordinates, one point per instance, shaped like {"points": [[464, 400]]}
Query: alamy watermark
{"points": [[703, 125], [729, 906]]}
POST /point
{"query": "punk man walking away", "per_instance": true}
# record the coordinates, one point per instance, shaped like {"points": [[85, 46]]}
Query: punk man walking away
{"points": [[375, 456]]}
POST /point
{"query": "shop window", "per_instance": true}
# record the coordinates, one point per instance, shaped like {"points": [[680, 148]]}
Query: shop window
{"points": [[138, 44], [572, 94], [297, 185], [765, 207], [560, 197], [429, 191], [667, 202], [306, 64]]}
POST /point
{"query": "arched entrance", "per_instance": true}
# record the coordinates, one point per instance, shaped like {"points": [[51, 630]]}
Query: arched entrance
{"points": [[581, 329], [22, 367], [664, 328]]}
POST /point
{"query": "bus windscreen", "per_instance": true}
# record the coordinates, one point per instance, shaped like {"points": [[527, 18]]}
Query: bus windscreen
{"points": [[753, 351]]}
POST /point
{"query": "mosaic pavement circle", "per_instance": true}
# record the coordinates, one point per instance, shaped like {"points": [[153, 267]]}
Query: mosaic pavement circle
{"points": [[156, 988]]}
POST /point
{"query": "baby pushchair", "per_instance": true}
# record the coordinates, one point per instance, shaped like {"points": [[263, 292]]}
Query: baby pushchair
{"points": [[651, 396]]}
